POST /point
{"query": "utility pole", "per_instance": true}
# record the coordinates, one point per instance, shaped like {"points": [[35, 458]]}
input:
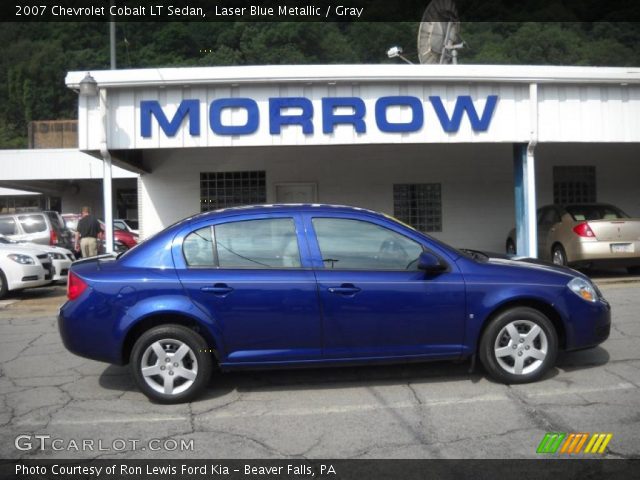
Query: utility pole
{"points": [[112, 38]]}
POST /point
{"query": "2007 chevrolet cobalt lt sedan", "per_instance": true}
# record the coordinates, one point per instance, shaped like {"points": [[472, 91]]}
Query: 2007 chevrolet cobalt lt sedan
{"points": [[298, 285]]}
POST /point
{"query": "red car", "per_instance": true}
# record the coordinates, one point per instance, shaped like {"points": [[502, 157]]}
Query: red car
{"points": [[122, 240]]}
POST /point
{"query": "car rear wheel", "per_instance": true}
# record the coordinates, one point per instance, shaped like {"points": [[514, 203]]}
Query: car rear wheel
{"points": [[4, 287], [519, 346], [171, 364], [558, 255]]}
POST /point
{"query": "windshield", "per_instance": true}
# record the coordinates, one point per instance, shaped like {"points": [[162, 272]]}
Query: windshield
{"points": [[580, 213]]}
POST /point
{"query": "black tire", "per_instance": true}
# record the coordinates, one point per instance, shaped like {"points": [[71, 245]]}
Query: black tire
{"points": [[4, 288], [511, 248], [634, 270], [558, 255], [495, 337], [171, 337]]}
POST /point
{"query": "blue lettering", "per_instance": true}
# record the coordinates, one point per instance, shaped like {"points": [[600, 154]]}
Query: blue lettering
{"points": [[464, 104], [170, 128], [330, 119], [412, 102], [189, 111], [215, 116], [277, 119]]}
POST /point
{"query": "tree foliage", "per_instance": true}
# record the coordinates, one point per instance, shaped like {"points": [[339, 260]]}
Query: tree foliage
{"points": [[36, 57]]}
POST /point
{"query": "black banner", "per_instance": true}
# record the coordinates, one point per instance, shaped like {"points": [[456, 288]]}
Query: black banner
{"points": [[565, 469], [315, 10]]}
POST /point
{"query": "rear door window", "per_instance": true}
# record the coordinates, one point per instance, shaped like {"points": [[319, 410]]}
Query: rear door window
{"points": [[32, 223], [198, 248], [263, 243]]}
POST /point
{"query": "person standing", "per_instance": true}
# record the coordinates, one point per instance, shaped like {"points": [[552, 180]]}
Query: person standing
{"points": [[87, 234]]}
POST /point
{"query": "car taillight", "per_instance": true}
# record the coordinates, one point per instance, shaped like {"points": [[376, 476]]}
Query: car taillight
{"points": [[75, 286], [583, 230], [53, 237]]}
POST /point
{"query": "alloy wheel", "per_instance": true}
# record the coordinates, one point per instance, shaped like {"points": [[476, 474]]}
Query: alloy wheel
{"points": [[521, 347], [169, 366]]}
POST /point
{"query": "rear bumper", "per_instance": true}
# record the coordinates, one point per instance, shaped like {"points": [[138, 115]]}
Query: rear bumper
{"points": [[83, 335], [598, 251]]}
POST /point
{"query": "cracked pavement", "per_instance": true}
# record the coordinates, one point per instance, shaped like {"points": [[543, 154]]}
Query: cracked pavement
{"points": [[434, 410]]}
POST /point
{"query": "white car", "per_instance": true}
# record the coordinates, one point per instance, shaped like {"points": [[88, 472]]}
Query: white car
{"points": [[61, 258], [23, 267]]}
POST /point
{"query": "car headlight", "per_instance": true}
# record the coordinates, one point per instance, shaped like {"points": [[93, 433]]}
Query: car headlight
{"points": [[584, 289], [56, 256], [21, 259]]}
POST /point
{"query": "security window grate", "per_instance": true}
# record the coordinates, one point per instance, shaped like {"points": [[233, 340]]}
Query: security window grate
{"points": [[230, 189], [419, 205], [574, 184]]}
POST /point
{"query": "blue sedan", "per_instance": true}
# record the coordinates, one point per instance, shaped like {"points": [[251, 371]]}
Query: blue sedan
{"points": [[314, 285]]}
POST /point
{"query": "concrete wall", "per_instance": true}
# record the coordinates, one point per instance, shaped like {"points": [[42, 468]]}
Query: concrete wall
{"points": [[477, 180]]}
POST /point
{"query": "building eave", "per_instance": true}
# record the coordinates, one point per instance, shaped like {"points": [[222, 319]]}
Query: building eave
{"points": [[330, 74]]}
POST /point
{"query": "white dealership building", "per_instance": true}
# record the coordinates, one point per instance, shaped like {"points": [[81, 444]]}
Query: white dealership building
{"points": [[463, 152]]}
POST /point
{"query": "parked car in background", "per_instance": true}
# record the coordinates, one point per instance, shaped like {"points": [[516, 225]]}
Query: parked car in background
{"points": [[122, 239], [61, 258], [130, 226], [299, 285], [23, 267], [588, 235], [43, 228]]}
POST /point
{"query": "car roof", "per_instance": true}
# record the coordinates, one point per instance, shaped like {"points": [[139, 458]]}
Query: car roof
{"points": [[284, 207]]}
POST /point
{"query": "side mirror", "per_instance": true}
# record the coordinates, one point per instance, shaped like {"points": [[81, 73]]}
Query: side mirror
{"points": [[429, 263]]}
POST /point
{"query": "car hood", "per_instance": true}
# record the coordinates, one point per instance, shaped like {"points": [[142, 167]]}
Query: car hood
{"points": [[42, 248], [12, 247], [530, 264]]}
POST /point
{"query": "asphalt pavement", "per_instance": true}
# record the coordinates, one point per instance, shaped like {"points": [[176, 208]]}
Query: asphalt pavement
{"points": [[57, 405]]}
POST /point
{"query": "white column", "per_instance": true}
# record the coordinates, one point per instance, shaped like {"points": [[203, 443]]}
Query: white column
{"points": [[107, 197]]}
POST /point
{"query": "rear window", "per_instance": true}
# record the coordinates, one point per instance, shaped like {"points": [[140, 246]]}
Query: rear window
{"points": [[56, 220], [32, 223], [8, 226], [582, 213]]}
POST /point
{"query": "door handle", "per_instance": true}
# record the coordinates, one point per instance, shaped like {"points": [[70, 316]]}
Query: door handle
{"points": [[344, 289], [221, 289]]}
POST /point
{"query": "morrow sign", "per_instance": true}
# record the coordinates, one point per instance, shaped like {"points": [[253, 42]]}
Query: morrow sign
{"points": [[299, 111]]}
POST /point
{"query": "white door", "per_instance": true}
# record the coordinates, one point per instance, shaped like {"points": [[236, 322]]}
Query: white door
{"points": [[296, 193]]}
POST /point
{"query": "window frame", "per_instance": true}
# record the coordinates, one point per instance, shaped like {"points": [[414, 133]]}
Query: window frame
{"points": [[317, 253], [578, 174], [413, 187]]}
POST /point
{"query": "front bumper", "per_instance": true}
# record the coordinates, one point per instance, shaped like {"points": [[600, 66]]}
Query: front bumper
{"points": [[29, 276], [61, 269], [586, 324]]}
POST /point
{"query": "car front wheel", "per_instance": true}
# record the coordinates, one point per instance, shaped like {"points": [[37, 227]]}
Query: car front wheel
{"points": [[171, 364], [519, 346]]}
